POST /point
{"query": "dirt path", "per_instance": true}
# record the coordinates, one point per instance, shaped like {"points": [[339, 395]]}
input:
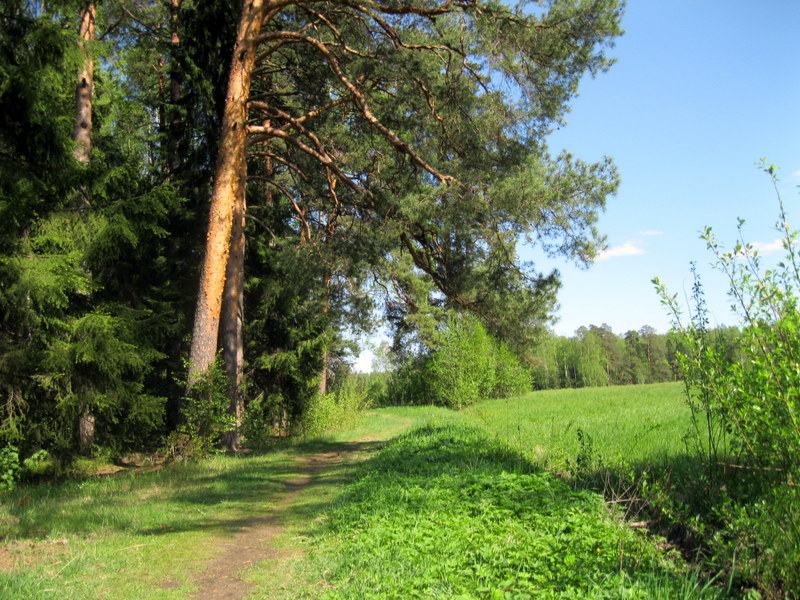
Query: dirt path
{"points": [[221, 577]]}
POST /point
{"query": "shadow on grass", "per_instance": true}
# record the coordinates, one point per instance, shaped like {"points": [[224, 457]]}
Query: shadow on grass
{"points": [[452, 512], [222, 494]]}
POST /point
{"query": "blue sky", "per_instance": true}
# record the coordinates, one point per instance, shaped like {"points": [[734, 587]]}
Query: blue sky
{"points": [[701, 90]]}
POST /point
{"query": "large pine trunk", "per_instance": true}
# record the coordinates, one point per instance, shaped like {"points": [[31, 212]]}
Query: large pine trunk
{"points": [[232, 323], [228, 184]]}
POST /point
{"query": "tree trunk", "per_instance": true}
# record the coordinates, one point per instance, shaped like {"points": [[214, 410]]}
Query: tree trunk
{"points": [[326, 355], [83, 146], [228, 181], [323, 380], [232, 323], [175, 135], [86, 431], [83, 94]]}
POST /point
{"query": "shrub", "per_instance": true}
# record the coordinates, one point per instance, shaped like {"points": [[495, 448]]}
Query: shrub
{"points": [[336, 410], [9, 468], [409, 384], [462, 370], [746, 411], [511, 378], [206, 416], [468, 365]]}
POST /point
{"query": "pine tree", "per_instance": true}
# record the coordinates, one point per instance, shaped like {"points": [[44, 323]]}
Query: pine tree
{"points": [[396, 118]]}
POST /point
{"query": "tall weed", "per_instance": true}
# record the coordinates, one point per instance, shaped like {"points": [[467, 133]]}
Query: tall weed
{"points": [[747, 411], [336, 410]]}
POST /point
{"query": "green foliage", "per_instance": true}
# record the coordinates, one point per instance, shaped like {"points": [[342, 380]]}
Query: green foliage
{"points": [[511, 377], [447, 512], [466, 365], [462, 368], [596, 356], [37, 83], [97, 261], [754, 397], [9, 468], [408, 384], [745, 405], [206, 417], [336, 410]]}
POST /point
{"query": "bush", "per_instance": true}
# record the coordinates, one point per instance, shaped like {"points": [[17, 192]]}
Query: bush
{"points": [[408, 385], [9, 468], [462, 370], [746, 410], [511, 378], [206, 416], [468, 365], [336, 410]]}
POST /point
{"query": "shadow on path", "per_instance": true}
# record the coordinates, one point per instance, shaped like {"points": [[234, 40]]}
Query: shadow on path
{"points": [[249, 540]]}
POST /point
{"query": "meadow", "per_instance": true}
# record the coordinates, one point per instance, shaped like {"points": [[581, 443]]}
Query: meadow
{"points": [[616, 424]]}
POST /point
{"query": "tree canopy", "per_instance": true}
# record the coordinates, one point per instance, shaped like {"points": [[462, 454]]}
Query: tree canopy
{"points": [[388, 158]]}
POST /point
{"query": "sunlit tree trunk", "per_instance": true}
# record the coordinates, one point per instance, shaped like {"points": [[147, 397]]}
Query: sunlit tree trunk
{"points": [[228, 185]]}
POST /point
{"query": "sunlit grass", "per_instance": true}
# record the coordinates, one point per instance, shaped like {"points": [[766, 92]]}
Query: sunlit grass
{"points": [[447, 512], [130, 535], [444, 512], [144, 535], [628, 424]]}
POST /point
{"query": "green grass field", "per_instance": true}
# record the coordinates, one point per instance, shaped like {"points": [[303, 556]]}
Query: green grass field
{"points": [[626, 424], [142, 535], [445, 510]]}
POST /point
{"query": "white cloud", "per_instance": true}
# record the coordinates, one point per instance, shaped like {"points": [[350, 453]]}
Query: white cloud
{"points": [[768, 247], [796, 174], [626, 249]]}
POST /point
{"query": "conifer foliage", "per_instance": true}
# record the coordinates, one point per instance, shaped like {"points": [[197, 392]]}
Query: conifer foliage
{"points": [[373, 155]]}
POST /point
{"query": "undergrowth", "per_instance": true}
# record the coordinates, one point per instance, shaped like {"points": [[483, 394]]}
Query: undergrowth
{"points": [[446, 511]]}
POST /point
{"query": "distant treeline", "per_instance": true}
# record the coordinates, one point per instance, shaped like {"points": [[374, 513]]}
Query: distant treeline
{"points": [[596, 356]]}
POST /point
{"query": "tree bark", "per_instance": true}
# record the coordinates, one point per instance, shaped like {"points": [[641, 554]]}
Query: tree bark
{"points": [[174, 146], [86, 431], [83, 146], [83, 94], [232, 321], [326, 355], [228, 184]]}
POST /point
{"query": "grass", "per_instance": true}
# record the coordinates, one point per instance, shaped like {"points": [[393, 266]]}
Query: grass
{"points": [[123, 536], [447, 511], [143, 535], [618, 424]]}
